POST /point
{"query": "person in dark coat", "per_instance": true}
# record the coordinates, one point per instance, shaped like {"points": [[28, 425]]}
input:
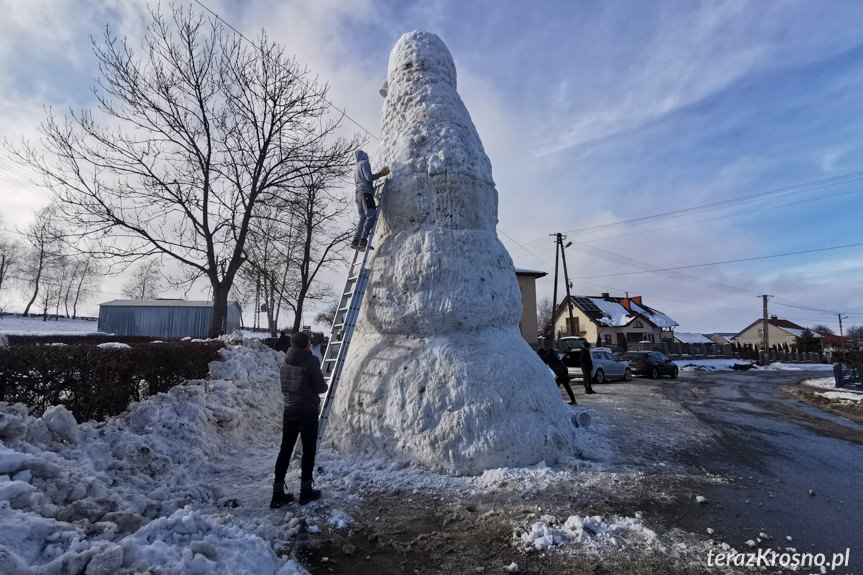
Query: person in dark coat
{"points": [[364, 195], [283, 343], [561, 373], [586, 367], [302, 383]]}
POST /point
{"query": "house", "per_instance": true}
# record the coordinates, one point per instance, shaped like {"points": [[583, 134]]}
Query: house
{"points": [[693, 343], [527, 285], [832, 343], [780, 332], [168, 318], [721, 339], [619, 322]]}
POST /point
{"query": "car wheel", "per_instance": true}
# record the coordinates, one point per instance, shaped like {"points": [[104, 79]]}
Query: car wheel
{"points": [[599, 377], [674, 373], [654, 373], [627, 375]]}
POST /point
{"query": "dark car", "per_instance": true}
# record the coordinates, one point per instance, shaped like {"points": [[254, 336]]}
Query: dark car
{"points": [[650, 363]]}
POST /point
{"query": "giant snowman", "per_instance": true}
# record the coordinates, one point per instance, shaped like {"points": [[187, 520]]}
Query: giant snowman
{"points": [[437, 373]]}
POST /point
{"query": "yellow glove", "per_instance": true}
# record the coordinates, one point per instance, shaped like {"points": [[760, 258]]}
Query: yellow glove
{"points": [[385, 171]]}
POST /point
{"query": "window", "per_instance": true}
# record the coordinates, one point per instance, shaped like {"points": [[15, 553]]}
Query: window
{"points": [[638, 324]]}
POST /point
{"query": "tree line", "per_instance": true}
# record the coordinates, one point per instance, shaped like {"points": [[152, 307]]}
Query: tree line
{"points": [[205, 153]]}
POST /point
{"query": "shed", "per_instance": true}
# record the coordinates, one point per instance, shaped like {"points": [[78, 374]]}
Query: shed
{"points": [[168, 318]]}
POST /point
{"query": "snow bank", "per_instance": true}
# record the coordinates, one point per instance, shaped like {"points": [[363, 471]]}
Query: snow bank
{"points": [[438, 373], [140, 492]]}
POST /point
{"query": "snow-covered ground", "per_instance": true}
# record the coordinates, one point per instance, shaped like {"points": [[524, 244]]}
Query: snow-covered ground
{"points": [[180, 483], [14, 325], [726, 364]]}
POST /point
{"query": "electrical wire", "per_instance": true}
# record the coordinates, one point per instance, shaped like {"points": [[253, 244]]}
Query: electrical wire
{"points": [[329, 103]]}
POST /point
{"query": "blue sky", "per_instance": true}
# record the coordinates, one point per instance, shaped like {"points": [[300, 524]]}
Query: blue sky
{"points": [[592, 112]]}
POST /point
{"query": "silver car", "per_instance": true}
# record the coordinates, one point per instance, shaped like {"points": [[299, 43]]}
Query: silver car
{"points": [[605, 365]]}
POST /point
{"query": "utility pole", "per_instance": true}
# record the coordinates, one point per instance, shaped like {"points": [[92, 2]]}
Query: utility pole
{"points": [[554, 303], [841, 335], [765, 339], [560, 239]]}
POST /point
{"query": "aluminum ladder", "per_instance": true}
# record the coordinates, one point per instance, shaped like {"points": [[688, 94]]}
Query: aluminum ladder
{"points": [[345, 320]]}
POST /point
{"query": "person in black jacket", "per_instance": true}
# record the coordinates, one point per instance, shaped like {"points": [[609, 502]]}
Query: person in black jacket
{"points": [[586, 367], [561, 373], [283, 343], [302, 383]]}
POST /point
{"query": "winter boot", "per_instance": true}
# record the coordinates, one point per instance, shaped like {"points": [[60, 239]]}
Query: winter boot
{"points": [[279, 496], [307, 493], [355, 244], [363, 243]]}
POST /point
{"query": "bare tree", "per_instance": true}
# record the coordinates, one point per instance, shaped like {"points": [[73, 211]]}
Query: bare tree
{"points": [[822, 329], [10, 251], [544, 314], [145, 281], [189, 142], [42, 239], [82, 282], [288, 251]]}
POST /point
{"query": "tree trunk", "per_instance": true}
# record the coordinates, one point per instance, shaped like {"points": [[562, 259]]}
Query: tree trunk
{"points": [[220, 309]]}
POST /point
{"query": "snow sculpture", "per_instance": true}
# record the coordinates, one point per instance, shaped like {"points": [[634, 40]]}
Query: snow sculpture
{"points": [[438, 374]]}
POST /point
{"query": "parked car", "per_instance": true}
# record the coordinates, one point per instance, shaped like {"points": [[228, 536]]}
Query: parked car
{"points": [[605, 365], [570, 343], [650, 363]]}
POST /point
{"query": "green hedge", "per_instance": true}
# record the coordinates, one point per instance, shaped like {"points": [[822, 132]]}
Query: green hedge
{"points": [[96, 383]]}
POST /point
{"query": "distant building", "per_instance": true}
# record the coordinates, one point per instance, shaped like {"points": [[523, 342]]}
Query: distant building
{"points": [[527, 285], [779, 332], [167, 318], [693, 343], [618, 322]]}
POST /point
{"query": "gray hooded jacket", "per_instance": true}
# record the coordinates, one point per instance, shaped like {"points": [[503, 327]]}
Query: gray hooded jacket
{"points": [[363, 176]]}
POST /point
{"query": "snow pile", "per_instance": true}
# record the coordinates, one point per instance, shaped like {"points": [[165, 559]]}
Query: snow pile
{"points": [[141, 492], [438, 373], [822, 382], [594, 533], [843, 396]]}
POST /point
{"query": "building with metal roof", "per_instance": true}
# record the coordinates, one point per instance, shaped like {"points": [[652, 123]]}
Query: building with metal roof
{"points": [[164, 318]]}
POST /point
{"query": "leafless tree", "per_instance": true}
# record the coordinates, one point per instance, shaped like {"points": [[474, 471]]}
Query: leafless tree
{"points": [[42, 239], [287, 251], [82, 281], [10, 252], [191, 140], [544, 314], [822, 329], [145, 281]]}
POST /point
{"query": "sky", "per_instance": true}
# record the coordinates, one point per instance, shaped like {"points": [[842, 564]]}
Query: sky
{"points": [[654, 135]]}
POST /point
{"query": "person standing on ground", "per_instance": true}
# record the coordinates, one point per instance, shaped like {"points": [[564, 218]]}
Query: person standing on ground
{"points": [[561, 373], [302, 383], [586, 367], [365, 198]]}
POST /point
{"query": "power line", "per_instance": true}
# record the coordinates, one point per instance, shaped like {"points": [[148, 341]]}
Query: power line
{"points": [[329, 103], [750, 198], [725, 261]]}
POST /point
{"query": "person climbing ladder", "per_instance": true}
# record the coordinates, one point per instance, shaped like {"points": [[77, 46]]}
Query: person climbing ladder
{"points": [[365, 198]]}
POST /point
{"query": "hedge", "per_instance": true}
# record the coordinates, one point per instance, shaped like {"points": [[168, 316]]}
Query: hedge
{"points": [[96, 383]]}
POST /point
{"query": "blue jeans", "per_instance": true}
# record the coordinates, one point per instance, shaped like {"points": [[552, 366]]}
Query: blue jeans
{"points": [[368, 216]]}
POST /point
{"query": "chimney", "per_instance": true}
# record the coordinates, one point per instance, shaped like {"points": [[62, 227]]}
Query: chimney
{"points": [[625, 303], [637, 299], [773, 317], [604, 295]]}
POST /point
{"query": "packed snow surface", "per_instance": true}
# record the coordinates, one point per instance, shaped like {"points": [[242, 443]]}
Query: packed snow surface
{"points": [[438, 373]]}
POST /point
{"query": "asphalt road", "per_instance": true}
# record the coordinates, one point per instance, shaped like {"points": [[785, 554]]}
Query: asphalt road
{"points": [[774, 450]]}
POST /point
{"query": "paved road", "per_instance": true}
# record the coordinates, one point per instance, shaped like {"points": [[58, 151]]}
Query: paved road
{"points": [[776, 450]]}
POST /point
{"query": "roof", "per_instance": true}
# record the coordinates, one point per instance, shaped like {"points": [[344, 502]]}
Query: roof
{"points": [[613, 312], [685, 337], [160, 303], [534, 273], [783, 324]]}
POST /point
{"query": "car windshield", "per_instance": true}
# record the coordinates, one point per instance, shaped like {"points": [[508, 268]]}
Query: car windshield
{"points": [[572, 343]]}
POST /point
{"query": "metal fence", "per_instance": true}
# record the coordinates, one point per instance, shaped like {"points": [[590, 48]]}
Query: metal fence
{"points": [[848, 376]]}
